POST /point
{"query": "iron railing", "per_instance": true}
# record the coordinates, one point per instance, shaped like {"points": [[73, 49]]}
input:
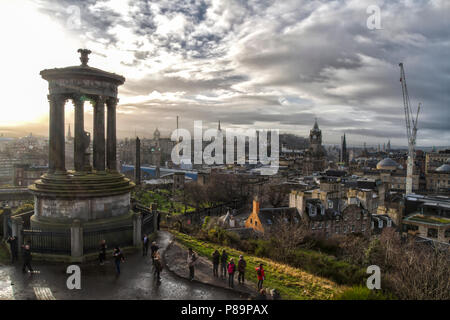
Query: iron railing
{"points": [[118, 236], [48, 241]]}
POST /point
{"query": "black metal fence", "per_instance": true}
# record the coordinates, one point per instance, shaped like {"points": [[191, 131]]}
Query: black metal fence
{"points": [[148, 223], [8, 227], [119, 236], [48, 242]]}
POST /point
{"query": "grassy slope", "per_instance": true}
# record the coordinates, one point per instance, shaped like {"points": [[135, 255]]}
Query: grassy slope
{"points": [[292, 283]]}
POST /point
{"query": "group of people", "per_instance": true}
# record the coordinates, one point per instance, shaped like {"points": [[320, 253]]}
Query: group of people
{"points": [[119, 257], [227, 267], [156, 257]]}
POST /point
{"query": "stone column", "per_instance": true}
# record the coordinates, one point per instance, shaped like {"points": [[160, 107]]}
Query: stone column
{"points": [[99, 134], [6, 217], [56, 157], [111, 134], [76, 239], [17, 231], [137, 229], [79, 134]]}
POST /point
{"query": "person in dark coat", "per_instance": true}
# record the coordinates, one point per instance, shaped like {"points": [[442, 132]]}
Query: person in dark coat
{"points": [[224, 261], [242, 264], [27, 258], [102, 254], [216, 261], [13, 248], [118, 258], [145, 243]]}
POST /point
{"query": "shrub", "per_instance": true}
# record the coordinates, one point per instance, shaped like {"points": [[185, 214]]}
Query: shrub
{"points": [[362, 293]]}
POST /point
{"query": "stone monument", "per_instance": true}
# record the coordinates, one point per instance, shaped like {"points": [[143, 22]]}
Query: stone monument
{"points": [[97, 195]]}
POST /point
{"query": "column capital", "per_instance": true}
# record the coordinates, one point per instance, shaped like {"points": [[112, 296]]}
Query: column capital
{"points": [[77, 98], [99, 100], [112, 102], [56, 98]]}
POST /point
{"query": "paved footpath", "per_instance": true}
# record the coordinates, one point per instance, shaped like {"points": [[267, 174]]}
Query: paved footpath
{"points": [[175, 259], [99, 282]]}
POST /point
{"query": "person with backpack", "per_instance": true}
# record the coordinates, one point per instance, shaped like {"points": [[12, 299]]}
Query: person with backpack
{"points": [[223, 260], [191, 259], [153, 249], [231, 270], [158, 266], [102, 254], [216, 261], [260, 273], [242, 264], [118, 258]]}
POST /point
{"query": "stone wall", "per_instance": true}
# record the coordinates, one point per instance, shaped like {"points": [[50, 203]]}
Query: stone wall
{"points": [[82, 209]]}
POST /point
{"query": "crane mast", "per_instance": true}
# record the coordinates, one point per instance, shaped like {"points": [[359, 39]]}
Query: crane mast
{"points": [[411, 130]]}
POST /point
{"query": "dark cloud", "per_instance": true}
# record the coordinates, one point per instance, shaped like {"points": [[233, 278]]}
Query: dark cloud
{"points": [[280, 63]]}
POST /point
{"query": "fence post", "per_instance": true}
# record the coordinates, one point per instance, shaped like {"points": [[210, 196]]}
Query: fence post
{"points": [[137, 229], [155, 216], [17, 231], [6, 217], [76, 239]]}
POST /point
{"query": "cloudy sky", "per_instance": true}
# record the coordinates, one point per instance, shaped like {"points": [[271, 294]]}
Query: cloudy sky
{"points": [[253, 64]]}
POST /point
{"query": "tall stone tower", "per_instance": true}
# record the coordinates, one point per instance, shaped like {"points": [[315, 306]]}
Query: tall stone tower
{"points": [[344, 153], [315, 140]]}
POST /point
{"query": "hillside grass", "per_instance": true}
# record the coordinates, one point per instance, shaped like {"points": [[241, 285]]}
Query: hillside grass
{"points": [[293, 283]]}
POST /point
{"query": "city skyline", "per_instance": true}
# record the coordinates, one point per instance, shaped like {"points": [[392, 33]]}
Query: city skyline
{"points": [[266, 65]]}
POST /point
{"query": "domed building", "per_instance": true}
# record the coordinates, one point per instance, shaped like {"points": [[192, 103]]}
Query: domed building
{"points": [[439, 179], [444, 168], [387, 164]]}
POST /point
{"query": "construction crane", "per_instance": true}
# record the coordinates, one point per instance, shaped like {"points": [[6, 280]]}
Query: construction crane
{"points": [[411, 130]]}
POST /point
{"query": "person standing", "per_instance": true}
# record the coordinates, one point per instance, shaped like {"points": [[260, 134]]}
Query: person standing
{"points": [[27, 258], [153, 249], [145, 242], [13, 248], [102, 254], [118, 258], [158, 266], [223, 261], [216, 261], [260, 273], [242, 264], [231, 270], [191, 259]]}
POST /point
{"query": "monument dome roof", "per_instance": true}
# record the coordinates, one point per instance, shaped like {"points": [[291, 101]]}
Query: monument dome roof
{"points": [[444, 168], [387, 164]]}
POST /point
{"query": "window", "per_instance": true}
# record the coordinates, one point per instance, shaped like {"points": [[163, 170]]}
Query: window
{"points": [[256, 223], [337, 229], [447, 233], [353, 228], [432, 233], [251, 220]]}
